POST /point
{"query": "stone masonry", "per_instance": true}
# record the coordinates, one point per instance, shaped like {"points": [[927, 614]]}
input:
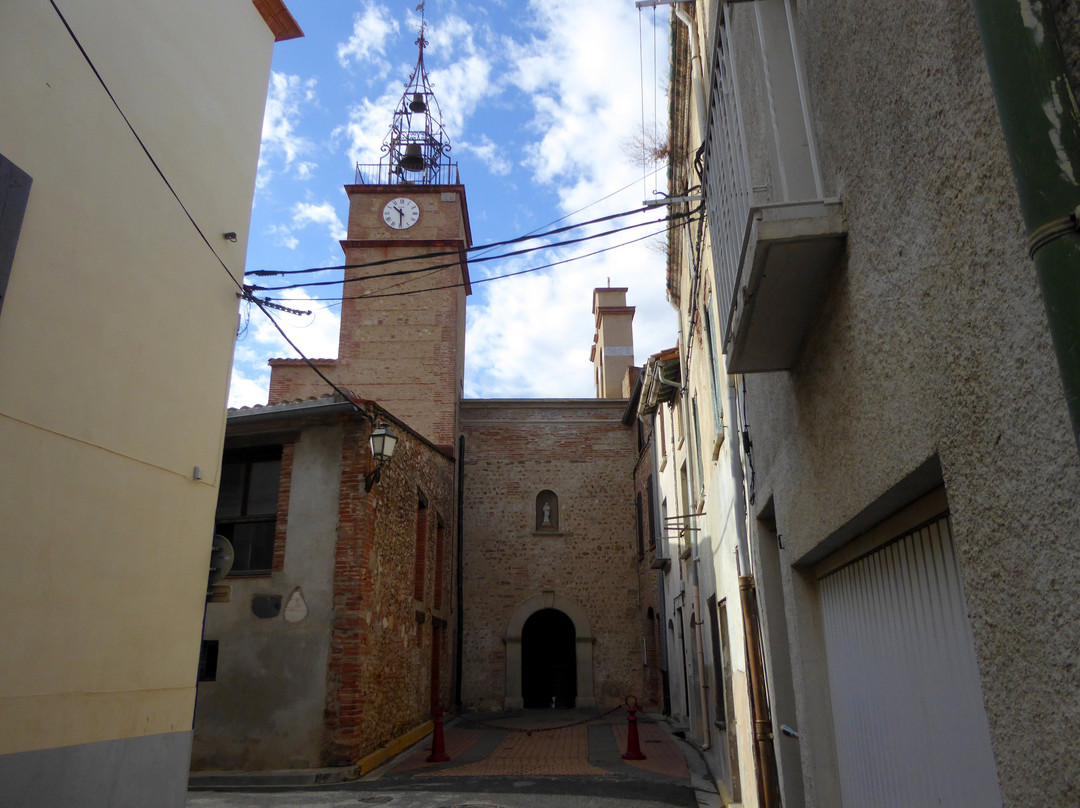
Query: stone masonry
{"points": [[581, 450]]}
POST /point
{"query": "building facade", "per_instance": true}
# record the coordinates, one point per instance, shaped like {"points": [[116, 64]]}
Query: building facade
{"points": [[336, 638], [111, 394], [906, 472], [498, 566]]}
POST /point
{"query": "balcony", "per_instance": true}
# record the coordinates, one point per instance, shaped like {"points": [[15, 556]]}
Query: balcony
{"points": [[789, 252]]}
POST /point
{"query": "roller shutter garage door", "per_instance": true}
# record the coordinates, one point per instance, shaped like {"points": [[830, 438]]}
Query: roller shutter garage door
{"points": [[909, 721]]}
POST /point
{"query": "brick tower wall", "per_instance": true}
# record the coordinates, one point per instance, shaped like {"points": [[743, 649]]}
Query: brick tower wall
{"points": [[403, 343]]}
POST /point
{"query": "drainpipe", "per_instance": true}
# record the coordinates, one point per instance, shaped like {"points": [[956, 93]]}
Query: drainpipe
{"points": [[696, 71], [706, 735], [764, 752], [1041, 124], [459, 584]]}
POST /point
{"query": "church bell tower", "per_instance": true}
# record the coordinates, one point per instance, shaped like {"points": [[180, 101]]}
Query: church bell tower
{"points": [[402, 339]]}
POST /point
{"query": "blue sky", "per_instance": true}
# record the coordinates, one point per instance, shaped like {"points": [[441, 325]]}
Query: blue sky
{"points": [[545, 105]]}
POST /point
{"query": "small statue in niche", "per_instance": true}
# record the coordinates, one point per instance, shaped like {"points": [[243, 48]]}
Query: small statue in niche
{"points": [[547, 511]]}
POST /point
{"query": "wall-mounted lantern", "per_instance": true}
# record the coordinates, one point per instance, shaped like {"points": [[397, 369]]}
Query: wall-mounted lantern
{"points": [[382, 442]]}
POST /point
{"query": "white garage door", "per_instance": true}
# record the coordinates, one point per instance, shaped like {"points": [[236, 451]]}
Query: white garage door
{"points": [[909, 720]]}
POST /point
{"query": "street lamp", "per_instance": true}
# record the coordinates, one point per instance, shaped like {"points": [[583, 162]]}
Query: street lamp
{"points": [[382, 442]]}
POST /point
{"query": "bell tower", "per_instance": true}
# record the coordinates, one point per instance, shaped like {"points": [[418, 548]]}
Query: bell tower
{"points": [[402, 339]]}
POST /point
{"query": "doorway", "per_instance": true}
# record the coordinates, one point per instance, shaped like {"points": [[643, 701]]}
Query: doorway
{"points": [[548, 661]]}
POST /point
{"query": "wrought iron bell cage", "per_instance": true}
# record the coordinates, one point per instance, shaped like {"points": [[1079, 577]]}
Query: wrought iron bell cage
{"points": [[416, 151]]}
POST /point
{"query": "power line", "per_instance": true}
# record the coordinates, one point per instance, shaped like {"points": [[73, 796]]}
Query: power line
{"points": [[536, 230], [511, 254], [445, 253], [667, 229]]}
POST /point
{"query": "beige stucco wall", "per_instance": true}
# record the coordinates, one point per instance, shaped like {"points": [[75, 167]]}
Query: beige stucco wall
{"points": [[932, 343], [115, 349]]}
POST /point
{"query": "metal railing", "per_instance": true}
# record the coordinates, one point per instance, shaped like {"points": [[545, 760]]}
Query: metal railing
{"points": [[386, 174]]}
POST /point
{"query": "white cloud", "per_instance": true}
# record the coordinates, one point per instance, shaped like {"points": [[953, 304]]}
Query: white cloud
{"points": [[490, 153], [372, 28], [287, 95], [367, 127], [315, 334], [305, 213], [283, 236], [531, 335]]}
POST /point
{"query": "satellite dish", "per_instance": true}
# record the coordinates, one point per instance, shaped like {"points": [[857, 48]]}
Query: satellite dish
{"points": [[221, 558]]}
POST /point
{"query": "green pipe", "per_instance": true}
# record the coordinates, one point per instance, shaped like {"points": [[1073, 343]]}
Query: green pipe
{"points": [[1041, 124]]}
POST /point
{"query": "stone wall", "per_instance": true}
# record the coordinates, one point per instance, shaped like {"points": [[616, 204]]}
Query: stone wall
{"points": [[581, 451], [380, 668]]}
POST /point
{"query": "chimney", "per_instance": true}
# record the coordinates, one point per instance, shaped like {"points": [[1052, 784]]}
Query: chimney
{"points": [[613, 342]]}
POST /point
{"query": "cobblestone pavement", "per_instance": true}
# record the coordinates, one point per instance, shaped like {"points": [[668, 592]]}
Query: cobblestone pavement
{"points": [[531, 760]]}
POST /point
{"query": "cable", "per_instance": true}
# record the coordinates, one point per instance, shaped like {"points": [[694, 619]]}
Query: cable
{"points": [[512, 254], [508, 275], [243, 291], [641, 88], [445, 253], [633, 182]]}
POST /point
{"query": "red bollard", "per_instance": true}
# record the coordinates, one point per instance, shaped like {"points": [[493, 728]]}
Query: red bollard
{"points": [[438, 745], [633, 745]]}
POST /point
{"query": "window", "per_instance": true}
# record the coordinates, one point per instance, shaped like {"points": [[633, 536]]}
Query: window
{"points": [[640, 526], [14, 194], [440, 543], [660, 414], [208, 657], [420, 566], [651, 505], [714, 369], [247, 507], [697, 450]]}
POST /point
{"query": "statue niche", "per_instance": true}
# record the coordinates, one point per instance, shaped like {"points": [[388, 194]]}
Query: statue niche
{"points": [[547, 512]]}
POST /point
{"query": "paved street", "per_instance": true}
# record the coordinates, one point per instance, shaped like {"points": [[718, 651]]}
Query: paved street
{"points": [[529, 761]]}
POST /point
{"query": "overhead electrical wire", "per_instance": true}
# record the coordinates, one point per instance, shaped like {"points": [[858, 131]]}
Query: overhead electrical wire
{"points": [[445, 253], [487, 248], [667, 229], [413, 271], [146, 151]]}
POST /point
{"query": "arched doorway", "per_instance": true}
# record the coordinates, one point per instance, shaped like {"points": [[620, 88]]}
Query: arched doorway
{"points": [[548, 660], [583, 641]]}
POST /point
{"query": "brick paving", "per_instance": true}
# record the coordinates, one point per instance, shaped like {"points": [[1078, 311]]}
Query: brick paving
{"points": [[594, 748], [457, 742], [555, 752]]}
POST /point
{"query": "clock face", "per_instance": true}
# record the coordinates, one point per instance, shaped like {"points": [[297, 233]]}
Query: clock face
{"points": [[401, 213]]}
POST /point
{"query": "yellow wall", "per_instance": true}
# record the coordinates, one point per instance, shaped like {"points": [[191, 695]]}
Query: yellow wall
{"points": [[115, 349]]}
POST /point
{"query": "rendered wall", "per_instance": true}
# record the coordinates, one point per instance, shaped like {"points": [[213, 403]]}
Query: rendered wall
{"points": [[931, 349], [582, 452], [265, 709], [115, 347]]}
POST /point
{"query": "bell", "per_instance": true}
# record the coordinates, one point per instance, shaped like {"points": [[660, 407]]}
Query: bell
{"points": [[413, 159], [417, 104]]}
